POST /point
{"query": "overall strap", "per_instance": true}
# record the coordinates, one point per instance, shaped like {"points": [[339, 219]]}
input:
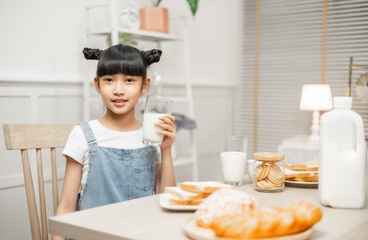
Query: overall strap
{"points": [[88, 134]]}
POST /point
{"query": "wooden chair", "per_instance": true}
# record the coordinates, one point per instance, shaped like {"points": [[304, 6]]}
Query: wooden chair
{"points": [[37, 136]]}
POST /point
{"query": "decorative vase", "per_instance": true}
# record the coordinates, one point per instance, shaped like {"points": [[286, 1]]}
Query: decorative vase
{"points": [[129, 17], [154, 19]]}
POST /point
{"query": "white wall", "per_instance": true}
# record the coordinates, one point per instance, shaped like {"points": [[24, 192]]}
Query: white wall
{"points": [[41, 71]]}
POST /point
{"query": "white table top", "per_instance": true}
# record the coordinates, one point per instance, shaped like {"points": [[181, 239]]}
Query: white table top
{"points": [[145, 219]]}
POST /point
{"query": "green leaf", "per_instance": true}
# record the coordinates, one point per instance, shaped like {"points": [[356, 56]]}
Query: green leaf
{"points": [[124, 38], [156, 3], [193, 4]]}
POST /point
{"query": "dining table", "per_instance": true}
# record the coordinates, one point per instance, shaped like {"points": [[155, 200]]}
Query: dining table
{"points": [[146, 218]]}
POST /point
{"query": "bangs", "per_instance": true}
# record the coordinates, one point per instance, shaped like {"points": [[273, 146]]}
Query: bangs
{"points": [[126, 67], [124, 60]]}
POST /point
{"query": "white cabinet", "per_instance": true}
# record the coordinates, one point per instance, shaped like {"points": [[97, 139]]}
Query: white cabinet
{"points": [[157, 38]]}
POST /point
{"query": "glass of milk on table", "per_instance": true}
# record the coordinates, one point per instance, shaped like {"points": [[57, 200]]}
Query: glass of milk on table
{"points": [[155, 107], [233, 159]]}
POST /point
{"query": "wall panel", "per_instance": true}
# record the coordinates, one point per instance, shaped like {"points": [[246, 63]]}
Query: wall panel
{"points": [[60, 103]]}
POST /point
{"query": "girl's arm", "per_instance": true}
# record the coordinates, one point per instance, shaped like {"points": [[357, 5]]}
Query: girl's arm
{"points": [[165, 175], [69, 195], [158, 178]]}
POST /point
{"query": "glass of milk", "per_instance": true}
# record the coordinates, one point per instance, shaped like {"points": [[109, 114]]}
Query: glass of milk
{"points": [[155, 107], [233, 159]]}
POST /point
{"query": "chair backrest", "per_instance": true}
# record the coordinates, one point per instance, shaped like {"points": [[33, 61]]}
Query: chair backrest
{"points": [[37, 136]]}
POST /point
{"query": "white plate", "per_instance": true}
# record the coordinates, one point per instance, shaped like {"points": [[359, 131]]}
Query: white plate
{"points": [[302, 184], [165, 203]]}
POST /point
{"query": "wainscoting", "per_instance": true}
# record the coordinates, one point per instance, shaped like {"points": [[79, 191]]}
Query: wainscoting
{"points": [[49, 101]]}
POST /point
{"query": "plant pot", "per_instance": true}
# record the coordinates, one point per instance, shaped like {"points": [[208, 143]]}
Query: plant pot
{"points": [[154, 19]]}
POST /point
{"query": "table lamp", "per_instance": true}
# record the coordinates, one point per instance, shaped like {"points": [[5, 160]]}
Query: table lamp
{"points": [[362, 87], [315, 97], [362, 82]]}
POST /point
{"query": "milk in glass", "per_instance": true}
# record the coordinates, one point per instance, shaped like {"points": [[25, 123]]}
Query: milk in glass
{"points": [[149, 129], [233, 166], [155, 108]]}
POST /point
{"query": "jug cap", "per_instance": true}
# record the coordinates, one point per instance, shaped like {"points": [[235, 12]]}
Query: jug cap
{"points": [[342, 102], [268, 156]]}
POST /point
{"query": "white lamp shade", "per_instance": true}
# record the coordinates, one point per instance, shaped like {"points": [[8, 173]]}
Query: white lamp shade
{"points": [[316, 97]]}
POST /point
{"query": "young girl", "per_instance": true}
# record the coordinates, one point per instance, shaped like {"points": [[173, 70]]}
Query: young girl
{"points": [[106, 161]]}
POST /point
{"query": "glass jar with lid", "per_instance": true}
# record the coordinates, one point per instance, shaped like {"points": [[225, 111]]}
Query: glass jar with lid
{"points": [[266, 171]]}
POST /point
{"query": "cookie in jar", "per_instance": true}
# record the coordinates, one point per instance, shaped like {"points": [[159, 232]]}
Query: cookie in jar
{"points": [[266, 171]]}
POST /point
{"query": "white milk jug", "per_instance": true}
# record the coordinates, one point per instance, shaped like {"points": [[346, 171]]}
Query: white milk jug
{"points": [[342, 157]]}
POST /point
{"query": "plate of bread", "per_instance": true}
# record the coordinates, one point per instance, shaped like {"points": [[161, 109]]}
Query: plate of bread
{"points": [[301, 175], [230, 214], [188, 195]]}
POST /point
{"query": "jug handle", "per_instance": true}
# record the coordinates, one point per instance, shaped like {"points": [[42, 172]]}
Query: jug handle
{"points": [[360, 141]]}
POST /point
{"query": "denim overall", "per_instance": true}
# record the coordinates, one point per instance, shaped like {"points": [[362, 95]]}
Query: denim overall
{"points": [[116, 174]]}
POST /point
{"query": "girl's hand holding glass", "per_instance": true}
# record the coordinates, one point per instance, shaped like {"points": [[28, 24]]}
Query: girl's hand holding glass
{"points": [[168, 130], [157, 110]]}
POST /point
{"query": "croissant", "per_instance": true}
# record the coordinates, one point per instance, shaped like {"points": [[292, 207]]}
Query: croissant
{"points": [[271, 222]]}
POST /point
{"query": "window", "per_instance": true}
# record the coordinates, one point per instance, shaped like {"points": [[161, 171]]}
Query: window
{"points": [[290, 55]]}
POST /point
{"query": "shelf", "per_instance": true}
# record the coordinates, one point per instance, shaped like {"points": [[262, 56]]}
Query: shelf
{"points": [[178, 99], [154, 37], [138, 34], [181, 161]]}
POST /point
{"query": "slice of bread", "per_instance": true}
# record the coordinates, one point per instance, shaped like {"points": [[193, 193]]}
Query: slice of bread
{"points": [[294, 179], [184, 195], [176, 201], [309, 178], [296, 167], [301, 167], [301, 176], [312, 168], [203, 187], [303, 172]]}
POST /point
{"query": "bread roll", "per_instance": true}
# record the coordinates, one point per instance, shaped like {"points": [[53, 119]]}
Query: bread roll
{"points": [[222, 202], [271, 222]]}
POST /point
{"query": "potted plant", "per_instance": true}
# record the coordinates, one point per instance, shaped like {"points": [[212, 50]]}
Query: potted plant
{"points": [[124, 38], [157, 18]]}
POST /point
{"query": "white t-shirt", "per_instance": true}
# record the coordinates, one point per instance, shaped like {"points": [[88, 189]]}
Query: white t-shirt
{"points": [[76, 147]]}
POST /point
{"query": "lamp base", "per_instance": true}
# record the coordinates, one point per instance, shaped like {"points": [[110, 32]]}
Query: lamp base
{"points": [[315, 127], [313, 138]]}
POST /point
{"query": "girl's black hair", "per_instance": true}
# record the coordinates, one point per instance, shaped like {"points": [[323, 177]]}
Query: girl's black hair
{"points": [[123, 59]]}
